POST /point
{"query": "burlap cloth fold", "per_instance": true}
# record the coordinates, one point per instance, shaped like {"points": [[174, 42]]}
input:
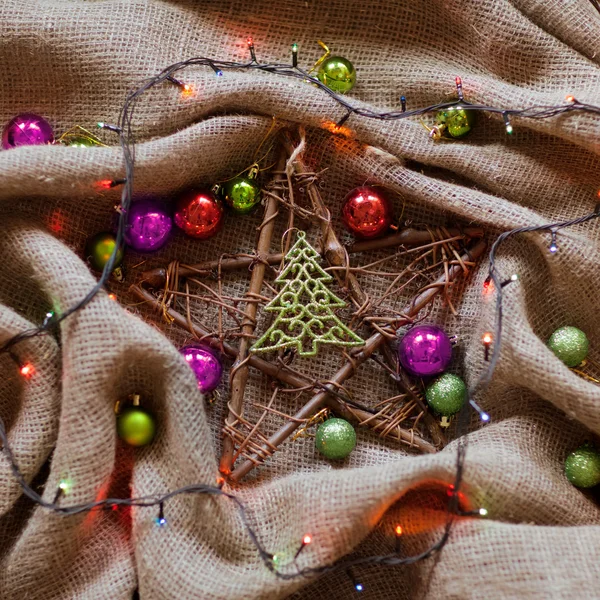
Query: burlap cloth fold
{"points": [[74, 62]]}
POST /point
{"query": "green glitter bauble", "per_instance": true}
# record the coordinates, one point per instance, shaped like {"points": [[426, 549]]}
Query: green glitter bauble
{"points": [[570, 345], [458, 121], [99, 248], [338, 74], [242, 194], [136, 426], [335, 438], [447, 394], [582, 467]]}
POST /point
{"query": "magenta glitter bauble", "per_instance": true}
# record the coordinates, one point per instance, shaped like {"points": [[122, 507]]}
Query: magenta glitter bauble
{"points": [[148, 225], [205, 364], [425, 350], [26, 129]]}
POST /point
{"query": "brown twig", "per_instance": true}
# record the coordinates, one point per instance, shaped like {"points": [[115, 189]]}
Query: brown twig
{"points": [[240, 370]]}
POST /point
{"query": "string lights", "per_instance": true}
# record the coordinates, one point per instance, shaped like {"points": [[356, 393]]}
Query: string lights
{"points": [[52, 320]]}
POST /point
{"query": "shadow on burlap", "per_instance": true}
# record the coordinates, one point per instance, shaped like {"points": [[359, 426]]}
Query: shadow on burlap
{"points": [[74, 63]]}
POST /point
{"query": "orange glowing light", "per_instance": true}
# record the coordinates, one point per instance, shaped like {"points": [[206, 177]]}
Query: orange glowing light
{"points": [[398, 530], [337, 129], [250, 41], [187, 90], [487, 338], [112, 296], [105, 184], [307, 539], [26, 370], [570, 98]]}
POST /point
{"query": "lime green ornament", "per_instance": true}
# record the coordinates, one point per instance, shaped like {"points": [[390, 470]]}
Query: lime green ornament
{"points": [[455, 122], [447, 394], [570, 344], [582, 467], [304, 307], [242, 194], [337, 73], [79, 141], [335, 438], [99, 249], [136, 426]]}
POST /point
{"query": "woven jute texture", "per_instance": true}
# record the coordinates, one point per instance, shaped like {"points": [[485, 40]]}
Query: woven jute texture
{"points": [[74, 62]]}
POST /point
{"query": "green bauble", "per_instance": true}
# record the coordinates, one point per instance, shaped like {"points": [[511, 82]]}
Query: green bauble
{"points": [[136, 426], [335, 438], [79, 141], [570, 345], [458, 121], [242, 194], [99, 248], [582, 467], [447, 394], [338, 74]]}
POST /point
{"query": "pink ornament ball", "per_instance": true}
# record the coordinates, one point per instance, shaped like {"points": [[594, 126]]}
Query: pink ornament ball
{"points": [[425, 350], [206, 366], [26, 129]]}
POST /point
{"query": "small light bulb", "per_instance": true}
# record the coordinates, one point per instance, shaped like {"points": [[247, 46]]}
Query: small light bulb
{"points": [[219, 73], [359, 587], [26, 370], [483, 512], [160, 521], [398, 530], [553, 247], [307, 539], [112, 296], [514, 277], [485, 417], [487, 338], [100, 125], [250, 41], [509, 128], [570, 98], [64, 486]]}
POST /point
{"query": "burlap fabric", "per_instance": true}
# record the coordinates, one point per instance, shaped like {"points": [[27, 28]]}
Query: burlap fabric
{"points": [[74, 62]]}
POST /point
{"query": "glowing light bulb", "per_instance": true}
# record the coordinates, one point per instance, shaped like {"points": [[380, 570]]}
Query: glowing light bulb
{"points": [[358, 587], [250, 42], [484, 417], [160, 521], [483, 512], [112, 296], [553, 247], [64, 486], [307, 539], [398, 530], [509, 128], [570, 98], [514, 277], [487, 338], [26, 370]]}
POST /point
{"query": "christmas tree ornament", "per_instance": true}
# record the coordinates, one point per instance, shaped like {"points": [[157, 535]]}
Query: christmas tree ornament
{"points": [[99, 249], [446, 395], [206, 365], [425, 350], [136, 426], [199, 214], [242, 193], [337, 73], [335, 438], [26, 129], [366, 212], [569, 344], [148, 225], [582, 467], [454, 122], [79, 137], [303, 308]]}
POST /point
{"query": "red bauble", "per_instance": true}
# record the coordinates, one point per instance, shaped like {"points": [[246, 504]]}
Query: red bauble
{"points": [[366, 212], [199, 214]]}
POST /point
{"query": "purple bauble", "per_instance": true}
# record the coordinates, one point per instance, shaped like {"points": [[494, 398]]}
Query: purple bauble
{"points": [[425, 350], [206, 366], [148, 225], [26, 129]]}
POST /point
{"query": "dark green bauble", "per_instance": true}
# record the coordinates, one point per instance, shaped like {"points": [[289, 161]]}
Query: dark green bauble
{"points": [[242, 194], [136, 426], [582, 467], [457, 121], [335, 438], [99, 248], [446, 395], [338, 74], [570, 344]]}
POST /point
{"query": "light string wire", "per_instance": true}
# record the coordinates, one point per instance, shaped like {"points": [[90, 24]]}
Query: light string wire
{"points": [[127, 142]]}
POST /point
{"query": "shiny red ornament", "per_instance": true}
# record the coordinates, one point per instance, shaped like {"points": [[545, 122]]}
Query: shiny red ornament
{"points": [[366, 212], [199, 214]]}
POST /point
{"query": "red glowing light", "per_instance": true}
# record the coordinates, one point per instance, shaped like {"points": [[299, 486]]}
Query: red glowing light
{"points": [[112, 296], [105, 184], [307, 539], [250, 42], [26, 370], [487, 338], [458, 81]]}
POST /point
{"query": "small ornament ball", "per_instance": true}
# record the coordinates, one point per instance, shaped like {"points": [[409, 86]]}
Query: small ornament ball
{"points": [[446, 395], [338, 74], [457, 122], [335, 438], [148, 225], [425, 350], [366, 212], [136, 426], [26, 129], [570, 344], [199, 214], [242, 194], [582, 467], [206, 366], [99, 249]]}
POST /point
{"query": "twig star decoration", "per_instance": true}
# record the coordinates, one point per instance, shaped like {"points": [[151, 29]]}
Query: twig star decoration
{"points": [[305, 318]]}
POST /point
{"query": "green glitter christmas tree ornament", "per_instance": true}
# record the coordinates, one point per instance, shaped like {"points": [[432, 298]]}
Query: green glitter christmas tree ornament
{"points": [[335, 438], [446, 395], [570, 344], [582, 467], [305, 319]]}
